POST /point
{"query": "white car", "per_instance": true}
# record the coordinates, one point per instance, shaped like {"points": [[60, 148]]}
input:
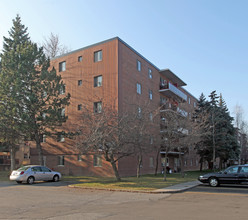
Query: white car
{"points": [[33, 173]]}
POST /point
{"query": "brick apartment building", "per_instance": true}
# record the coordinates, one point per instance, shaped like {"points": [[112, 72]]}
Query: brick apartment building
{"points": [[112, 73]]}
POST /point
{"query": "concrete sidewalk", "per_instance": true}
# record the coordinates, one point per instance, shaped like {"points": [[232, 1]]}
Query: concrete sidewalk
{"points": [[178, 188]]}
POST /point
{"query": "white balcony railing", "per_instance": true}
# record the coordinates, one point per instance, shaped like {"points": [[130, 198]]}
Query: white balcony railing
{"points": [[173, 90]]}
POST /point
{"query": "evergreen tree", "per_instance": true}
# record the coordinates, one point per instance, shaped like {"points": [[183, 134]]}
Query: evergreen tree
{"points": [[30, 88], [228, 146], [215, 129], [11, 126]]}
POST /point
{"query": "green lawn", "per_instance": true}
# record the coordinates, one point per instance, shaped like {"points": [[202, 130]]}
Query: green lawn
{"points": [[144, 183], [4, 175]]}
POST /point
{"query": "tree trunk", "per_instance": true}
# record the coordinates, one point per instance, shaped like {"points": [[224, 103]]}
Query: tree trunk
{"points": [[165, 165], [39, 149], [156, 166], [12, 157], [181, 164], [139, 165], [113, 164], [201, 164]]}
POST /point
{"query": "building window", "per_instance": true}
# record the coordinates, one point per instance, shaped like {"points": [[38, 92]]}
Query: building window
{"points": [[43, 138], [44, 116], [97, 107], [189, 100], [62, 66], [80, 82], [61, 160], [151, 140], [139, 112], [61, 138], [79, 157], [150, 94], [151, 162], [150, 116], [98, 56], [138, 88], [62, 89], [138, 65], [195, 104], [80, 107], [185, 162], [80, 59], [62, 112], [44, 94], [150, 73], [97, 81], [97, 161]]}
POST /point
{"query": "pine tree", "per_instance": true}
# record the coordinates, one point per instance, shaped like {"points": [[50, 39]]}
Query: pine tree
{"points": [[11, 126], [30, 88]]}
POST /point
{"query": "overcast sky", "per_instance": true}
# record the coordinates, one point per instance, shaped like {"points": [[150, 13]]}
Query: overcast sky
{"points": [[204, 42]]}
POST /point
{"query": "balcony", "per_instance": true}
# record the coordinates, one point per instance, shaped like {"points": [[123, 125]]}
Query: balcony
{"points": [[172, 91]]}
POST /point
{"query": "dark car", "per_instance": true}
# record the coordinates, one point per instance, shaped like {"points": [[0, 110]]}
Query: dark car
{"points": [[232, 175]]}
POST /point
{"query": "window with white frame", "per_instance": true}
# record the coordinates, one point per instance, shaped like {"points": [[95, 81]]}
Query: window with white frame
{"points": [[80, 82], [44, 116], [97, 107], [80, 59], [80, 107], [62, 89], [60, 138], [189, 100], [97, 81], [138, 88], [43, 138], [151, 116], [61, 160], [97, 161], [149, 73], [139, 112], [151, 140], [79, 157], [150, 94], [62, 66], [62, 112], [138, 65], [98, 56]]}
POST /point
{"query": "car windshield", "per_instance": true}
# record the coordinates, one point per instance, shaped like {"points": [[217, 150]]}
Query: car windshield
{"points": [[23, 168]]}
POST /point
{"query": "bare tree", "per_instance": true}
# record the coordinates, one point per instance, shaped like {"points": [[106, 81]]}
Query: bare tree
{"points": [[242, 132], [53, 47], [105, 132], [169, 131], [144, 134]]}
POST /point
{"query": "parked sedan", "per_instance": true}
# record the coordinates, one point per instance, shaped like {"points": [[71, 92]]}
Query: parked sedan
{"points": [[33, 173], [232, 175]]}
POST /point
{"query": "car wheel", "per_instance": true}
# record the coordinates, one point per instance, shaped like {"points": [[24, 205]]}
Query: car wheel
{"points": [[213, 182], [56, 178], [30, 180], [19, 182]]}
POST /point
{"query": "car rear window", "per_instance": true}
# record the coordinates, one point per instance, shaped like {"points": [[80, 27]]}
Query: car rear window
{"points": [[23, 168]]}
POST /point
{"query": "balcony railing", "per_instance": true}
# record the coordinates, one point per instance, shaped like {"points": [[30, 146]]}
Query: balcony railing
{"points": [[172, 91]]}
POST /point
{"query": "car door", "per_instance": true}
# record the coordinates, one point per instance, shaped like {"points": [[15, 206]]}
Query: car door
{"points": [[37, 173], [46, 173], [243, 174], [230, 175]]}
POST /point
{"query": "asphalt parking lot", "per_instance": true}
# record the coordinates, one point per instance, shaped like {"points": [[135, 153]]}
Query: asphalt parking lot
{"points": [[48, 200]]}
